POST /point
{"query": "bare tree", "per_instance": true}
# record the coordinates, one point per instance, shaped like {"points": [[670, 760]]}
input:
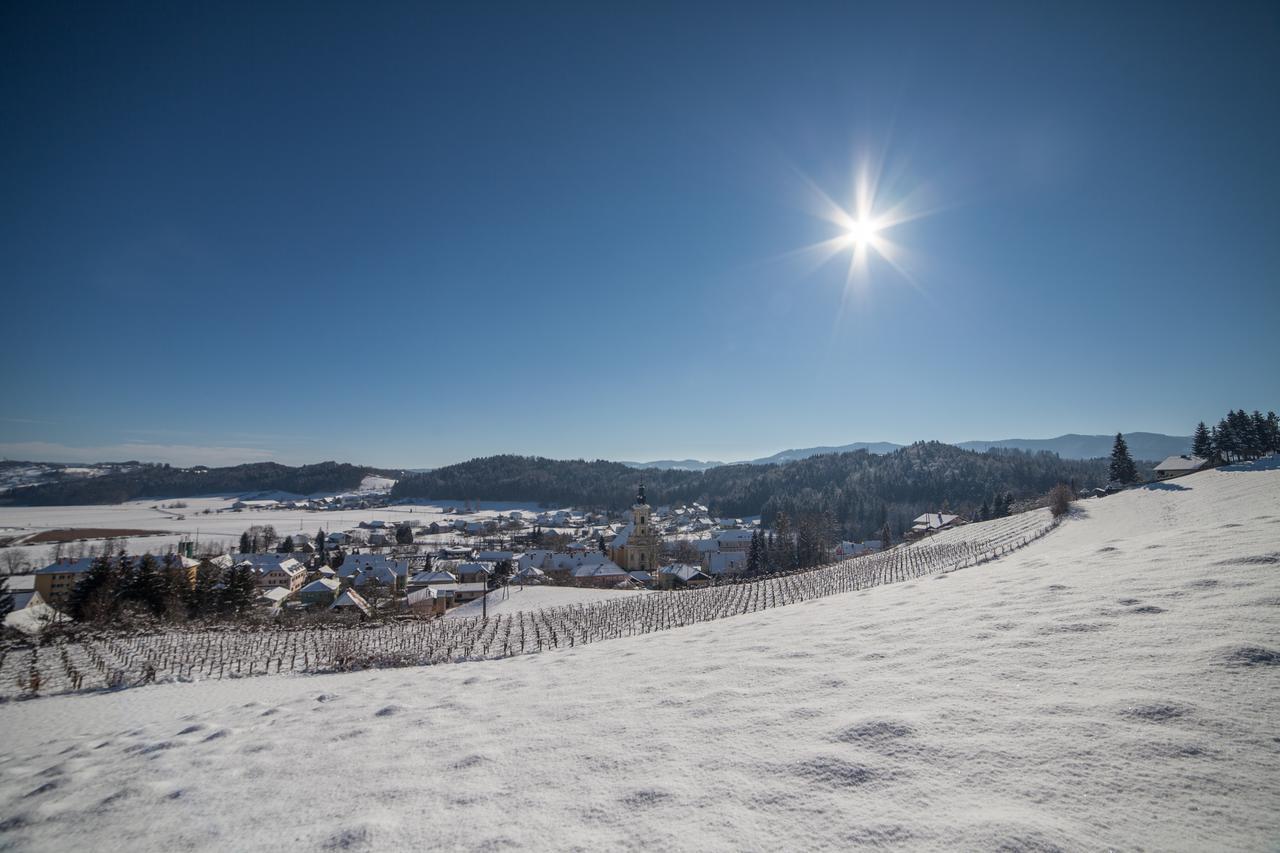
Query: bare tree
{"points": [[1060, 500]]}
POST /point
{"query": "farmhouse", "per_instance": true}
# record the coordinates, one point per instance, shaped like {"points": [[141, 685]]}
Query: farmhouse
{"points": [[1176, 466]]}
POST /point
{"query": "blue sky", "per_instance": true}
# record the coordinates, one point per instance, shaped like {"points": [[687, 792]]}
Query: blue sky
{"points": [[407, 236]]}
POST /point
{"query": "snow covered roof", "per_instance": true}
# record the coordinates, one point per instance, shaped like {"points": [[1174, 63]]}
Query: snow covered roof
{"points": [[624, 535], [606, 569], [67, 567], [275, 594], [1182, 463], [263, 563], [321, 585], [933, 520], [684, 571], [350, 598], [432, 578]]}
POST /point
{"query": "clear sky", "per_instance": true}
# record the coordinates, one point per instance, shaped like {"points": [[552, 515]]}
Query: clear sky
{"points": [[399, 235]]}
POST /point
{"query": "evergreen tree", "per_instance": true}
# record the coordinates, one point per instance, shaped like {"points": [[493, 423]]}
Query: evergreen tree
{"points": [[886, 537], [1273, 433], [94, 597], [320, 541], [753, 554], [145, 586], [238, 591], [1202, 443], [202, 598], [246, 545], [1123, 470], [404, 535], [6, 598], [286, 547], [984, 512]]}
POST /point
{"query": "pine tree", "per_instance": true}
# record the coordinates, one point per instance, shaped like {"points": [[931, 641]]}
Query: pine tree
{"points": [[6, 598], [886, 539], [286, 547], [984, 512], [753, 554], [94, 597], [1202, 442], [246, 544], [1273, 433], [145, 587], [202, 598], [320, 541], [1123, 469], [238, 591]]}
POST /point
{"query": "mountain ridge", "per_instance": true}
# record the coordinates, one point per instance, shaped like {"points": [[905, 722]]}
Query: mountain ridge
{"points": [[1148, 446]]}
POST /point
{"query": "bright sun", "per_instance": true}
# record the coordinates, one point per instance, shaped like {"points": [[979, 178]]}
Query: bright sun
{"points": [[862, 231]]}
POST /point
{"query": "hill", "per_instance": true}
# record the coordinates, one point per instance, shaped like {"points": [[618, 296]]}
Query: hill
{"points": [[1149, 446], [1110, 686], [162, 481], [861, 491]]}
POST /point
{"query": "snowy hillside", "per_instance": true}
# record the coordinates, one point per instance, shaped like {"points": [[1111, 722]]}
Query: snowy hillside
{"points": [[518, 599], [1110, 685]]}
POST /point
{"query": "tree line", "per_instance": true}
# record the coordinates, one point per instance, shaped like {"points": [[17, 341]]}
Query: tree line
{"points": [[123, 588], [863, 492], [1237, 437], [162, 481]]}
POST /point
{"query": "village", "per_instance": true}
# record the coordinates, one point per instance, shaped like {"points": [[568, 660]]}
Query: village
{"points": [[425, 569]]}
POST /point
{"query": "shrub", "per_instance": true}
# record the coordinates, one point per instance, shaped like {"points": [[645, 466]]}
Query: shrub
{"points": [[1060, 499]]}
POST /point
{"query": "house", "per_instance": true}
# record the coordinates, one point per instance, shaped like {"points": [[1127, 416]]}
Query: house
{"points": [[273, 569], [725, 562], [272, 596], [495, 556], [1176, 466], [429, 601], [602, 574], [682, 574], [55, 581], [381, 573], [23, 590], [734, 540], [350, 601], [319, 591], [528, 574], [448, 584], [931, 522], [856, 549]]}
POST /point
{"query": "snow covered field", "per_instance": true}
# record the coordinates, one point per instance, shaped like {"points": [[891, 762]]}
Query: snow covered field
{"points": [[221, 526], [518, 599], [1114, 684]]}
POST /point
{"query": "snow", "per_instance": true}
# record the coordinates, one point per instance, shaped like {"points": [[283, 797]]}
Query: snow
{"points": [[221, 526], [517, 599], [1111, 685]]}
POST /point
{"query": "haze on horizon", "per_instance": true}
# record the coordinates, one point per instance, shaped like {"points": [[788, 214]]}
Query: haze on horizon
{"points": [[407, 237]]}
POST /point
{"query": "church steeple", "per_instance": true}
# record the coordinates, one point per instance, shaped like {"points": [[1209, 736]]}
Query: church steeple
{"points": [[640, 501]]}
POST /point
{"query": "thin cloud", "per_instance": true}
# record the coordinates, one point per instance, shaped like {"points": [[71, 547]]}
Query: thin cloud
{"points": [[174, 454]]}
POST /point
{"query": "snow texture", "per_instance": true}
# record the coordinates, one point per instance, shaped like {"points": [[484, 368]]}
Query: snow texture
{"points": [[1112, 685]]}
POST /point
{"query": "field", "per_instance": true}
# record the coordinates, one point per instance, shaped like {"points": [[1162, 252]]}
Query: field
{"points": [[221, 525], [1112, 685]]}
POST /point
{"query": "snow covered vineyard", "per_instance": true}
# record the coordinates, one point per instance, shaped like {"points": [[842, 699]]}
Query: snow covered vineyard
{"points": [[1113, 685], [123, 661]]}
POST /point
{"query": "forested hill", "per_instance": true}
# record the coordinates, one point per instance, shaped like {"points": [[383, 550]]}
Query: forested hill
{"points": [[861, 490], [160, 481]]}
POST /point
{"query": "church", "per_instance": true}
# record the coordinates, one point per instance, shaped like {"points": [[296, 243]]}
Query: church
{"points": [[636, 547]]}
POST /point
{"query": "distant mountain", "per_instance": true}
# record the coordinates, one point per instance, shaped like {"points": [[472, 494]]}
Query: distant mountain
{"points": [[1152, 446], [880, 447], [1142, 445], [676, 464]]}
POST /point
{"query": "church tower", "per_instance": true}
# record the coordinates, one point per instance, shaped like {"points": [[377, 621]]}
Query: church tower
{"points": [[642, 543]]}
